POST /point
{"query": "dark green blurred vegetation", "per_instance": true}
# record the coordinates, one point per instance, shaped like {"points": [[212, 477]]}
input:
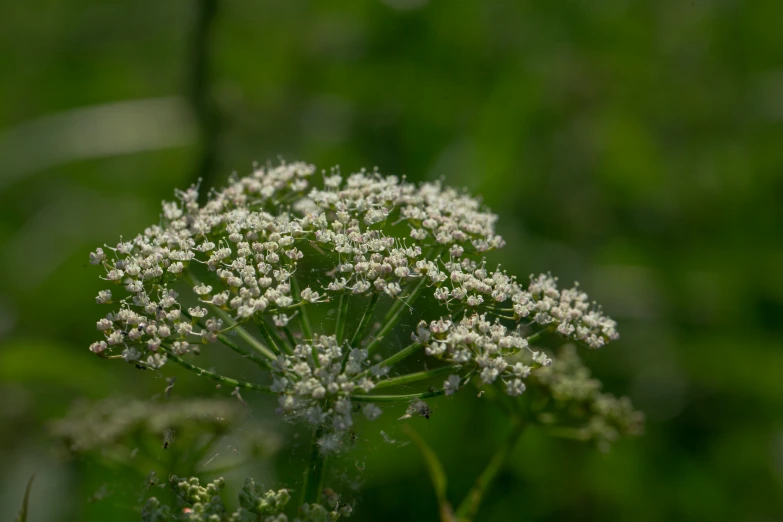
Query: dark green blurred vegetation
{"points": [[635, 146]]}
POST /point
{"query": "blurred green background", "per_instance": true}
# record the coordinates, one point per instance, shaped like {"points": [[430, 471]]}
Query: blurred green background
{"points": [[635, 146]]}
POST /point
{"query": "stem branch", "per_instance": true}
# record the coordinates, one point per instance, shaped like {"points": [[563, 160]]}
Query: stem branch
{"points": [[365, 322], [315, 473], [244, 334], [469, 507], [342, 317], [393, 316], [307, 332], [418, 376], [214, 376], [398, 398]]}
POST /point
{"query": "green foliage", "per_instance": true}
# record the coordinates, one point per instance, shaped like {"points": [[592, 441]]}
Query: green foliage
{"points": [[631, 145]]}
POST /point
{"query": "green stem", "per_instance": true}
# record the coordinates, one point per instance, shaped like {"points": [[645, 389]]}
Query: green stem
{"points": [[271, 337], [415, 377], [205, 109], [253, 357], [233, 346], [393, 316], [537, 336], [342, 317], [467, 510], [398, 398], [214, 376], [314, 476], [289, 336], [500, 316], [399, 356], [282, 343], [245, 335], [400, 303], [307, 332], [365, 322]]}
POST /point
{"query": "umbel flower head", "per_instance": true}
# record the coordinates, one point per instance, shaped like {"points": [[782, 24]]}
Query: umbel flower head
{"points": [[375, 258]]}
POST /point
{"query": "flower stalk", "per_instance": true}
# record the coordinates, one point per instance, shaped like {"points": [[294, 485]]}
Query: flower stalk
{"points": [[398, 398], [417, 376], [467, 510], [365, 322], [393, 315], [315, 474], [203, 372], [304, 318], [342, 316]]}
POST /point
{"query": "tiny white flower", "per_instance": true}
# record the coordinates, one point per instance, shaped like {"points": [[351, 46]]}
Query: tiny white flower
{"points": [[451, 384], [541, 358], [197, 312], [97, 257], [98, 347], [130, 354], [202, 289], [515, 387], [371, 411], [115, 275], [104, 297], [104, 324]]}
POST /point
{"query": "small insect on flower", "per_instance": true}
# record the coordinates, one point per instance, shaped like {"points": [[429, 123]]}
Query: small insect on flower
{"points": [[417, 407], [152, 479]]}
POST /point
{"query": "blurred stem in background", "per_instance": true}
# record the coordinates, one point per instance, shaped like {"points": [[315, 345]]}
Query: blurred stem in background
{"points": [[200, 95], [469, 507]]}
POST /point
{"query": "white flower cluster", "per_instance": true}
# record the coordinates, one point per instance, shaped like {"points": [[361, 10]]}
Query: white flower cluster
{"points": [[570, 310], [256, 504], [253, 245], [485, 345], [435, 214], [360, 219], [269, 246], [488, 345], [579, 409], [468, 283], [317, 381]]}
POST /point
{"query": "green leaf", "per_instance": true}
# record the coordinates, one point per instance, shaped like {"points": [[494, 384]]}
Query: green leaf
{"points": [[23, 513]]}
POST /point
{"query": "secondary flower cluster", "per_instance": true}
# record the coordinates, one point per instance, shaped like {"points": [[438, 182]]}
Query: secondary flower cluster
{"points": [[488, 345], [100, 425], [570, 310], [580, 410], [317, 381], [204, 504]]}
